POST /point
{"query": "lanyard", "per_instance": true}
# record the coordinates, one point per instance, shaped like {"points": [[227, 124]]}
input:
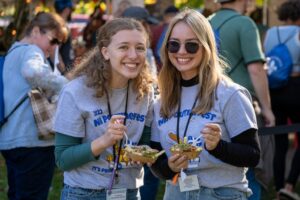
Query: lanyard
{"points": [[189, 119], [110, 114]]}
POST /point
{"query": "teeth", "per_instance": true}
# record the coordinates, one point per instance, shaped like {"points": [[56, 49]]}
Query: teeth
{"points": [[130, 65], [183, 59]]}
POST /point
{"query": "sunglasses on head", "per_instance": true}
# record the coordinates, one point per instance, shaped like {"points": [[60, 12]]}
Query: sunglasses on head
{"points": [[190, 47]]}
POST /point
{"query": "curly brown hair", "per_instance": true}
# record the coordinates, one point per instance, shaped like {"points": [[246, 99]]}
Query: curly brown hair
{"points": [[98, 70], [289, 10]]}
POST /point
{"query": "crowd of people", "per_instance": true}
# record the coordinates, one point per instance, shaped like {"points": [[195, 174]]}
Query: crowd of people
{"points": [[194, 78]]}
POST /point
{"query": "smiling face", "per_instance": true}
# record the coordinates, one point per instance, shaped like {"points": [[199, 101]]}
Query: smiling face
{"points": [[186, 63], [126, 54]]}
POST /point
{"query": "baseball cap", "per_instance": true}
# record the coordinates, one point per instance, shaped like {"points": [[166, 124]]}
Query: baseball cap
{"points": [[171, 9], [139, 13], [60, 5]]}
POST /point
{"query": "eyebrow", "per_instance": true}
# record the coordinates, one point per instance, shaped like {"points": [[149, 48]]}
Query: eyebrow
{"points": [[187, 40], [126, 43]]}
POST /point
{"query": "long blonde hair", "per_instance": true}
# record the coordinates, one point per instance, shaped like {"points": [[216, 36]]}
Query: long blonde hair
{"points": [[210, 70], [98, 70]]}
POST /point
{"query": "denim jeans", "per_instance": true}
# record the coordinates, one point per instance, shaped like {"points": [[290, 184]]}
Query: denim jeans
{"points": [[150, 188], [172, 192], [29, 172], [253, 185], [76, 193]]}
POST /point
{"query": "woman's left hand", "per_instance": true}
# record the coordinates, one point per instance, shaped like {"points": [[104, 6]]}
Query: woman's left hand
{"points": [[212, 135]]}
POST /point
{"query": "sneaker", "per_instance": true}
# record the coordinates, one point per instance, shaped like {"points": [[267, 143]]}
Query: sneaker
{"points": [[284, 194]]}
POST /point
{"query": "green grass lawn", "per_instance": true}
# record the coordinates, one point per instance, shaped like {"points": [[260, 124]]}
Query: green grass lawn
{"points": [[54, 193]]}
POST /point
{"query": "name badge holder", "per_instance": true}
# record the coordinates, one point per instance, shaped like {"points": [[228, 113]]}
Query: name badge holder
{"points": [[188, 183], [116, 194]]}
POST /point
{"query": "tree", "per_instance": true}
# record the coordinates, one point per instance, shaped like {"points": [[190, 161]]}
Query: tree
{"points": [[20, 18]]}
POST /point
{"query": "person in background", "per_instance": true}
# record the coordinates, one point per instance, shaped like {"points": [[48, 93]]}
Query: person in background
{"points": [[64, 8], [283, 105], [150, 188], [241, 47], [142, 15], [257, 15], [29, 160], [159, 32], [210, 7], [90, 31], [109, 98], [199, 104]]}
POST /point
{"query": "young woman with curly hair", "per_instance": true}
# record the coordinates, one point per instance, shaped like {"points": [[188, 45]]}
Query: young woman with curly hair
{"points": [[111, 95]]}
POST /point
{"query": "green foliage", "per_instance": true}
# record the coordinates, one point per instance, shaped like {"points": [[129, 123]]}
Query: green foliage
{"points": [[192, 4], [14, 30]]}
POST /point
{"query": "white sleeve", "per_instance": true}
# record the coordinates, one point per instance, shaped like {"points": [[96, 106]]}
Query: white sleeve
{"points": [[38, 73]]}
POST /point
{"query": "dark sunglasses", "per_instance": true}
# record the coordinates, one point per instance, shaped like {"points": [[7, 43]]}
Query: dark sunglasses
{"points": [[52, 41], [190, 47], [55, 41]]}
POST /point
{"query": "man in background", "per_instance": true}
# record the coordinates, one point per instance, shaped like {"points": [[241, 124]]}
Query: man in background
{"points": [[240, 45], [64, 8], [158, 32]]}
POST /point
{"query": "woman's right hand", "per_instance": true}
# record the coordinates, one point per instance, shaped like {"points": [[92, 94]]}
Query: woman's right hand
{"points": [[115, 130], [114, 133], [177, 162]]}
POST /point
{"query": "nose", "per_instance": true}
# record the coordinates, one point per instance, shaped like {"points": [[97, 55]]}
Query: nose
{"points": [[182, 49], [132, 53]]}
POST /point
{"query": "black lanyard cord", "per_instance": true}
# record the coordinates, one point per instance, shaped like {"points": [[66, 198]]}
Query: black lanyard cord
{"points": [[124, 122], [189, 119]]}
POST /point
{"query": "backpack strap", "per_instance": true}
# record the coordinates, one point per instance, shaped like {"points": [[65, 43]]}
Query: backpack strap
{"points": [[226, 20], [235, 66], [14, 109], [287, 39], [10, 50], [22, 99]]}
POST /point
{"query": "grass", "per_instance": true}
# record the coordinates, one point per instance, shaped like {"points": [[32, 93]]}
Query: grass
{"points": [[56, 187], [54, 193]]}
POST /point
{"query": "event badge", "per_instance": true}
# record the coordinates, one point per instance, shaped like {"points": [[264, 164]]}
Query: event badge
{"points": [[188, 183], [116, 194]]}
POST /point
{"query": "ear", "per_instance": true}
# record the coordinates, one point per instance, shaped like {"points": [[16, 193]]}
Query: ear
{"points": [[105, 53], [35, 31]]}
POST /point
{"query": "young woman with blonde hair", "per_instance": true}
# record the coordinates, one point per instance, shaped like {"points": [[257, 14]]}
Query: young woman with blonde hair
{"points": [[200, 105]]}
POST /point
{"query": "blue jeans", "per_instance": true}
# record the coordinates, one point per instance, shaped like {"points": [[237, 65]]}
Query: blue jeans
{"points": [[76, 193], [172, 192], [253, 185], [150, 188], [29, 172]]}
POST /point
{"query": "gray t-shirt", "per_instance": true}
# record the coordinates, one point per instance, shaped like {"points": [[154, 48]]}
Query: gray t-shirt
{"points": [[82, 115], [232, 111]]}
